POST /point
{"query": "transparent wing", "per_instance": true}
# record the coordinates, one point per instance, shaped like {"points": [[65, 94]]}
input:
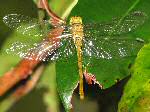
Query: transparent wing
{"points": [[117, 26], [66, 50], [32, 52], [27, 25], [48, 49], [110, 48]]}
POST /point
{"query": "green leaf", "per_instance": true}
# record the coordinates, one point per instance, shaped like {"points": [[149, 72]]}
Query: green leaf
{"points": [[67, 80], [106, 71], [136, 95], [98, 11]]}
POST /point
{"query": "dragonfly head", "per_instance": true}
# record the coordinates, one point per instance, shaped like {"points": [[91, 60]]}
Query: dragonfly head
{"points": [[75, 20]]}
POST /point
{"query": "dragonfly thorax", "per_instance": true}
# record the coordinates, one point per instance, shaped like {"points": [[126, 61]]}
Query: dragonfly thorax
{"points": [[77, 30]]}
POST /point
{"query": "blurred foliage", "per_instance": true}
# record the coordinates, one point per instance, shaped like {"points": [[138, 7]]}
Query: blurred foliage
{"points": [[136, 96]]}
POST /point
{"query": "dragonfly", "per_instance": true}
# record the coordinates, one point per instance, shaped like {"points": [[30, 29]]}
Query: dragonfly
{"points": [[93, 40]]}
